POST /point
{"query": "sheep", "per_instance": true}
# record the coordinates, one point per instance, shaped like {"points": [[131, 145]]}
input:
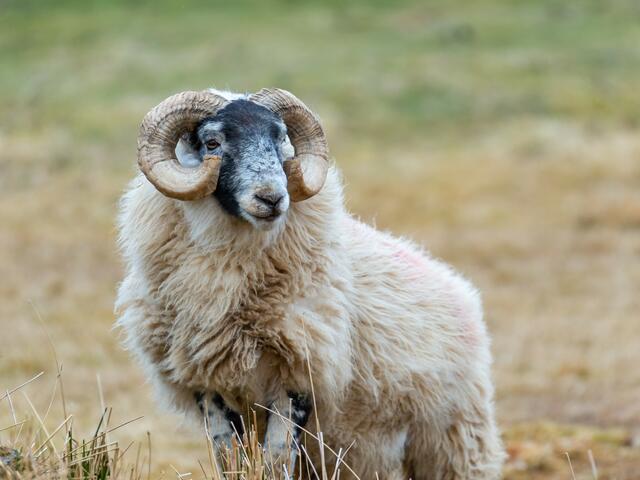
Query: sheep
{"points": [[249, 285]]}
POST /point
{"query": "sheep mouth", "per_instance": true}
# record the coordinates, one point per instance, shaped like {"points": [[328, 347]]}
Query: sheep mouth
{"points": [[264, 221], [270, 217]]}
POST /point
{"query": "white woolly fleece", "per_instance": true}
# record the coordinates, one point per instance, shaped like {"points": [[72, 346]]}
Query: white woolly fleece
{"points": [[395, 339]]}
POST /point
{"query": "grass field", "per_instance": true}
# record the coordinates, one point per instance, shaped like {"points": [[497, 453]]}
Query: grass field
{"points": [[503, 135]]}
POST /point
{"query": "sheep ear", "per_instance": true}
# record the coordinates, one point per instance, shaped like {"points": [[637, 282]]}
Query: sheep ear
{"points": [[287, 149], [187, 152]]}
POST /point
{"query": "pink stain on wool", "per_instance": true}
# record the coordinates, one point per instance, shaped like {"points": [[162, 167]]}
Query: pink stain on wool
{"points": [[415, 263], [470, 329], [415, 266]]}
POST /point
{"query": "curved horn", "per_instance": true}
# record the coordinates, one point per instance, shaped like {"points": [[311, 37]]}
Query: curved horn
{"points": [[159, 133], [307, 170]]}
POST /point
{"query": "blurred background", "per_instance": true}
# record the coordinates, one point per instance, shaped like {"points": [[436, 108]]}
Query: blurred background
{"points": [[502, 135]]}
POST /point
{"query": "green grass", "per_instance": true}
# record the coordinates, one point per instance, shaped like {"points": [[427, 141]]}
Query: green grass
{"points": [[380, 71]]}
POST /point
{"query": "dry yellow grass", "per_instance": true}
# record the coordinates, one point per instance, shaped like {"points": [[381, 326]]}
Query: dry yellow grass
{"points": [[504, 137], [551, 240]]}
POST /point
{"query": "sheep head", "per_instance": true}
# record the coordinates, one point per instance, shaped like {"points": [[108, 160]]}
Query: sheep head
{"points": [[236, 144]]}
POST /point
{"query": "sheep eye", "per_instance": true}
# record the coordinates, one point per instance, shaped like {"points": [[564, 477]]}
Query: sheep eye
{"points": [[212, 144]]}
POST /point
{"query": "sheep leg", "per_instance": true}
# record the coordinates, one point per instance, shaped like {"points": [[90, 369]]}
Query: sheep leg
{"points": [[223, 422], [284, 429], [470, 448]]}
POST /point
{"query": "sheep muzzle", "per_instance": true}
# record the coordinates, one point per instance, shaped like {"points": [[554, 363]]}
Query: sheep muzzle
{"points": [[307, 170]]}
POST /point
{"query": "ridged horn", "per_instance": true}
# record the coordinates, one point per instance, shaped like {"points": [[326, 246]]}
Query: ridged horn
{"points": [[307, 170], [159, 133]]}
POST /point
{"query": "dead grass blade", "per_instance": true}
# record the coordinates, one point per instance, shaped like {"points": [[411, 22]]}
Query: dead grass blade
{"points": [[9, 392]]}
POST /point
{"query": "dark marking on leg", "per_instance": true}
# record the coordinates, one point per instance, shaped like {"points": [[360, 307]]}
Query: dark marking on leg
{"points": [[284, 429], [199, 398], [301, 406], [233, 417]]}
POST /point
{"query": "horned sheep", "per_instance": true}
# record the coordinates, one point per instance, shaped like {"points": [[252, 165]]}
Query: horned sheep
{"points": [[249, 285]]}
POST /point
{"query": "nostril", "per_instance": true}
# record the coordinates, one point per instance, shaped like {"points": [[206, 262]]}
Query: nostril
{"points": [[269, 199]]}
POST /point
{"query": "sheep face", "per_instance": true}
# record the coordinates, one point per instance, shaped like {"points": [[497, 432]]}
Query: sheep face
{"points": [[253, 144]]}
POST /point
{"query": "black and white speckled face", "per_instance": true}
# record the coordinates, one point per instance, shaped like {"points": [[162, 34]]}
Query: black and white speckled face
{"points": [[252, 142]]}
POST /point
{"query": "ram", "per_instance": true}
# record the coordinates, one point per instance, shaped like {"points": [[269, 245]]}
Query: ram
{"points": [[247, 280]]}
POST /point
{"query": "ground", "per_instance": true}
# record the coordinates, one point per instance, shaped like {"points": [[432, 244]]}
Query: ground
{"points": [[503, 136]]}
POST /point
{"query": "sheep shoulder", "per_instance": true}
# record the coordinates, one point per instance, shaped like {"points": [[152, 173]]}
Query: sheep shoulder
{"points": [[418, 323]]}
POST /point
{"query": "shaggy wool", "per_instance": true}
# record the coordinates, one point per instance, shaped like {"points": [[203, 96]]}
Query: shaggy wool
{"points": [[392, 339]]}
